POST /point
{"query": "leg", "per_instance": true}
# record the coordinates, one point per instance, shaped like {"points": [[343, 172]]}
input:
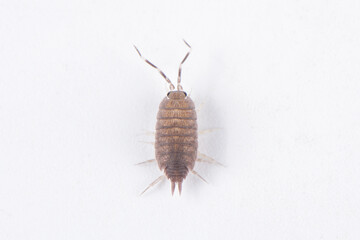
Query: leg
{"points": [[199, 107], [147, 133], [152, 143], [147, 161], [195, 173], [159, 179], [209, 130], [204, 158]]}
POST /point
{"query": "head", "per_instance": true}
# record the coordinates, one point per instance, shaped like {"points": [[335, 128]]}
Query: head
{"points": [[177, 95]]}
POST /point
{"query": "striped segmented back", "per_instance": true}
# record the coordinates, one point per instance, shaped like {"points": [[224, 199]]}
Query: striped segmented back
{"points": [[176, 138]]}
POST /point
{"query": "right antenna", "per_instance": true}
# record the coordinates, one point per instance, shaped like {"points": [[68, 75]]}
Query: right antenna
{"points": [[179, 87]]}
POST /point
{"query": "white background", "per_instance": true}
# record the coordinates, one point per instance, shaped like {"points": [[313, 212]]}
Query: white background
{"points": [[281, 79]]}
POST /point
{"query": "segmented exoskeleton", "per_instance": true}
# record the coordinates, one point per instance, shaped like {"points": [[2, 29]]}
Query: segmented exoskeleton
{"points": [[176, 136]]}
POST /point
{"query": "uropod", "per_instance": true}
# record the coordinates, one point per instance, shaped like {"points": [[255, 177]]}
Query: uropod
{"points": [[176, 134]]}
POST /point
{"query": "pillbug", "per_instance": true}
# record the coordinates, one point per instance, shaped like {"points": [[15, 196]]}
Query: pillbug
{"points": [[176, 134]]}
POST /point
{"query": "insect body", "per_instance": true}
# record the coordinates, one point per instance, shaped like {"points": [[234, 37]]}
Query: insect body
{"points": [[176, 137]]}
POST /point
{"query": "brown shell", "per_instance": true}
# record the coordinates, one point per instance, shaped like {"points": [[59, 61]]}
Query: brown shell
{"points": [[176, 137]]}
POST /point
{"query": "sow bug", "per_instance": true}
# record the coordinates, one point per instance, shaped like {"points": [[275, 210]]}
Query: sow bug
{"points": [[176, 135]]}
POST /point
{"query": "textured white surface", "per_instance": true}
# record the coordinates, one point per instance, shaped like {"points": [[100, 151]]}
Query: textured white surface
{"points": [[280, 78]]}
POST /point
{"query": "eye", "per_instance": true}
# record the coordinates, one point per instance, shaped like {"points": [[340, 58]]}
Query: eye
{"points": [[185, 94], [168, 93]]}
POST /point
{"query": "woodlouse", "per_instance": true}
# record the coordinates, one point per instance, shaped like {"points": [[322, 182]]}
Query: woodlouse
{"points": [[176, 135]]}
